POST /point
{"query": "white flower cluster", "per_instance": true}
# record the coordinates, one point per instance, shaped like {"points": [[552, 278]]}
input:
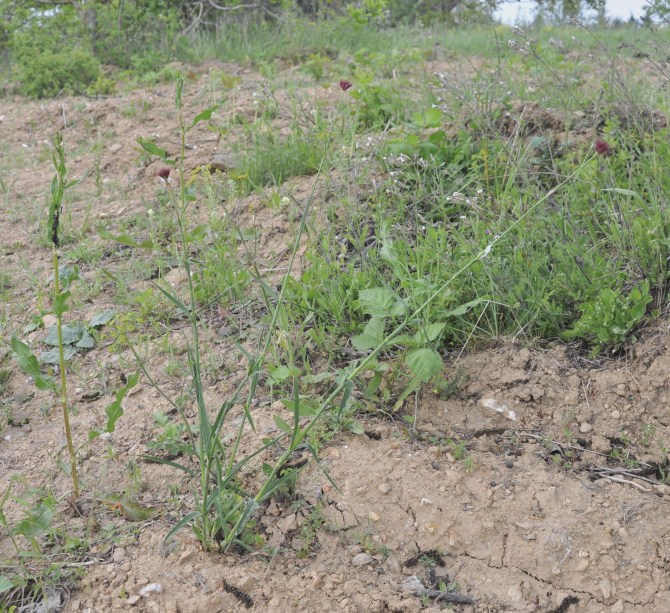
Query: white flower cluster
{"points": [[459, 198]]}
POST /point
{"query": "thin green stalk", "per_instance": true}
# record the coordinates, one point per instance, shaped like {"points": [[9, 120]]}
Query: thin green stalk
{"points": [[63, 381]]}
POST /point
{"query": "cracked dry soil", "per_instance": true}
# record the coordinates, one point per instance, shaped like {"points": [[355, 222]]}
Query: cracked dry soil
{"points": [[562, 510]]}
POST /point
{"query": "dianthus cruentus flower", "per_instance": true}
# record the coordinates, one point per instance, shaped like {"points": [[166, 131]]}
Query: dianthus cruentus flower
{"points": [[163, 173], [602, 147], [345, 85]]}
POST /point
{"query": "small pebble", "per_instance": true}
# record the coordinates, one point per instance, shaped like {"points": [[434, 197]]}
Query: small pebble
{"points": [[156, 588], [585, 427], [361, 559], [384, 488]]}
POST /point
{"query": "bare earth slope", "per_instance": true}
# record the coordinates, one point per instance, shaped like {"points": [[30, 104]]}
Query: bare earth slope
{"points": [[563, 509]]}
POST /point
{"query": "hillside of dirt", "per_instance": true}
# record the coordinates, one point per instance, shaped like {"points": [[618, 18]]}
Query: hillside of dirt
{"points": [[536, 482]]}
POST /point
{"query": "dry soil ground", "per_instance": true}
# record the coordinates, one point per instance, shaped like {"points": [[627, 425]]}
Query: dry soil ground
{"points": [[562, 509]]}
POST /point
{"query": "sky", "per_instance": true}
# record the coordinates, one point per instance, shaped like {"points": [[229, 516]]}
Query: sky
{"points": [[513, 12]]}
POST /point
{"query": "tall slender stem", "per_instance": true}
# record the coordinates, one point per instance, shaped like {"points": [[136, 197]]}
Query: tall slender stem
{"points": [[63, 382]]}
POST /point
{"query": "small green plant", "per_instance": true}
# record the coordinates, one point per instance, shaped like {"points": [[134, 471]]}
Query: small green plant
{"points": [[173, 440], [65, 337], [61, 293], [310, 530], [608, 319]]}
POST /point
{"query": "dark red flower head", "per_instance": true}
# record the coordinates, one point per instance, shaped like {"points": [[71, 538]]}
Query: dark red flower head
{"points": [[345, 85], [602, 148], [164, 173]]}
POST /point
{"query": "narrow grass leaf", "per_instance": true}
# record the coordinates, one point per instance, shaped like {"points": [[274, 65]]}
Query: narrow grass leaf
{"points": [[282, 424], [156, 460], [174, 300]]}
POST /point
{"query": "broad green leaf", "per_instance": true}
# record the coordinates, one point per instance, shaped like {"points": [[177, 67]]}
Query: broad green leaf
{"points": [[102, 318], [72, 333], [429, 333], [374, 384], [373, 334], [398, 309], [356, 427], [124, 239], [5, 584], [280, 374], [52, 357], [424, 363], [66, 275], [152, 148], [28, 364], [363, 342], [376, 301], [86, 341], [37, 522], [306, 408], [114, 410], [431, 118], [204, 116], [60, 303]]}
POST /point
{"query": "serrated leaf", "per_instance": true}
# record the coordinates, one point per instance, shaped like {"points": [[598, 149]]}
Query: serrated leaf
{"points": [[280, 374], [425, 363], [363, 342], [52, 357], [102, 318], [5, 584], [376, 301], [29, 365], [60, 303], [429, 333], [431, 118]]}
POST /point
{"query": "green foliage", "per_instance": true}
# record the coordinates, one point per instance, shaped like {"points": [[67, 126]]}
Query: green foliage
{"points": [[47, 74], [608, 318]]}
